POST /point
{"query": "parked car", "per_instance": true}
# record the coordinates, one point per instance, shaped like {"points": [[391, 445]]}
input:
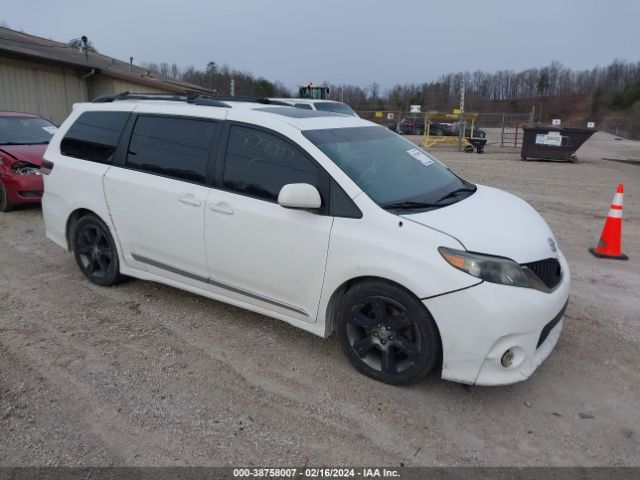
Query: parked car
{"points": [[441, 129], [319, 105], [412, 125], [415, 126], [23, 140], [328, 222]]}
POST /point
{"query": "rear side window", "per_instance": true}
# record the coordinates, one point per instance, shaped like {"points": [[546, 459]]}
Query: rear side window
{"points": [[94, 136], [336, 107], [171, 146], [259, 164]]}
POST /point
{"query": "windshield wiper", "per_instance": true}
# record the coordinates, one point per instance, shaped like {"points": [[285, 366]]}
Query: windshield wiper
{"points": [[22, 143], [456, 192], [408, 205]]}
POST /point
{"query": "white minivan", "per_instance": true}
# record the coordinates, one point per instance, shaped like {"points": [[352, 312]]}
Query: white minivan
{"points": [[318, 105], [329, 222]]}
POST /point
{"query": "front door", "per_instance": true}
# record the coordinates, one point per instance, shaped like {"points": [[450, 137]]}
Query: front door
{"points": [[258, 251]]}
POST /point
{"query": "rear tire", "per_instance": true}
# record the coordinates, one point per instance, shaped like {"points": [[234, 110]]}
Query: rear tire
{"points": [[5, 203], [387, 333], [95, 251]]}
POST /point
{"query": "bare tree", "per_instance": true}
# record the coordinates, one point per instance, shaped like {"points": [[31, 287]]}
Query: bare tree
{"points": [[78, 43]]}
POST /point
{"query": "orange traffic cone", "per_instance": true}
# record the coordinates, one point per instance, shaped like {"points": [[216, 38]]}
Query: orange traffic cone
{"points": [[610, 242]]}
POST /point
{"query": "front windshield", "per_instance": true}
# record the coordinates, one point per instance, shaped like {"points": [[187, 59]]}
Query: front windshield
{"points": [[336, 107], [25, 130], [387, 167]]}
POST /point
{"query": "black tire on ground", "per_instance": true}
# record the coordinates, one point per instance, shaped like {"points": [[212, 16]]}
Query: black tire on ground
{"points": [[95, 251], [387, 333], [5, 203]]}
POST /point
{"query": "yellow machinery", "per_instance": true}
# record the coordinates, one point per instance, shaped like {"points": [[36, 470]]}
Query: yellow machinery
{"points": [[312, 90], [447, 134]]}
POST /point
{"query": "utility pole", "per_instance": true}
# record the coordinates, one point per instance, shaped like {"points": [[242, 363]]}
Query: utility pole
{"points": [[461, 117], [532, 117]]}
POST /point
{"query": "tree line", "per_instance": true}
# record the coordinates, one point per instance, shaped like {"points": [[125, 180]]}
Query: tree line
{"points": [[218, 79], [483, 89], [608, 94]]}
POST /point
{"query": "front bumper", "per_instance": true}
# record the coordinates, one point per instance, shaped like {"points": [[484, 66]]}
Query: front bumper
{"points": [[24, 188], [479, 324]]}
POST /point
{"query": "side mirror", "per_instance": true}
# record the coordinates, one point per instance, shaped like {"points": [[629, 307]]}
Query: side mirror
{"points": [[299, 195]]}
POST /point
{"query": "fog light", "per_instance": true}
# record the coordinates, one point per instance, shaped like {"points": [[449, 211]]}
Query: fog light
{"points": [[507, 358]]}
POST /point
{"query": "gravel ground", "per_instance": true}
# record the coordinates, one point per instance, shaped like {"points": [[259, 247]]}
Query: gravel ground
{"points": [[143, 374]]}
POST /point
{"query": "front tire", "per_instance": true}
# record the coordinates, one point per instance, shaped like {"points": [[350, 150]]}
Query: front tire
{"points": [[5, 203], [95, 251], [387, 333]]}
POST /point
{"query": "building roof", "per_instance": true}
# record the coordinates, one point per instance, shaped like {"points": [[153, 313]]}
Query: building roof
{"points": [[22, 45]]}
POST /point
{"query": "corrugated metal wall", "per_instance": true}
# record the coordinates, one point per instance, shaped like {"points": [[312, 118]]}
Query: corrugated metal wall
{"points": [[51, 91], [101, 84], [40, 88]]}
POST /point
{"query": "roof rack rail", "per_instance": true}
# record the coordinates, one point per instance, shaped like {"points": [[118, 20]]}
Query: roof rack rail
{"points": [[194, 98], [263, 100]]}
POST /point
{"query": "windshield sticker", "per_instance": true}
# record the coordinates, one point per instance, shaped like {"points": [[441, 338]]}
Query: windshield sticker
{"points": [[50, 129], [420, 156]]}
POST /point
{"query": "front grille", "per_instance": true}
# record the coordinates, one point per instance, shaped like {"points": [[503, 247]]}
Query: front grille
{"points": [[548, 270]]}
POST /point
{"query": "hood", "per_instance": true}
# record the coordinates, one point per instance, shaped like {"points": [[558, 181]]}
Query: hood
{"points": [[25, 153], [494, 222]]}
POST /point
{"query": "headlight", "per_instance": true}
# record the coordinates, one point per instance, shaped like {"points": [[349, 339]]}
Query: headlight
{"points": [[492, 269], [25, 169]]}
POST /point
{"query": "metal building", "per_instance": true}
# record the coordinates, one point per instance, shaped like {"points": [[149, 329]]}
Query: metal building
{"points": [[46, 77]]}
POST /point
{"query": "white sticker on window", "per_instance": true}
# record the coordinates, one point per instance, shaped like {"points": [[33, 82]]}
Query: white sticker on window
{"points": [[51, 129], [420, 156]]}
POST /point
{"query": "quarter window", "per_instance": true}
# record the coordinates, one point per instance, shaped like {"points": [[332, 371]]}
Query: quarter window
{"points": [[172, 147], [259, 164], [94, 136]]}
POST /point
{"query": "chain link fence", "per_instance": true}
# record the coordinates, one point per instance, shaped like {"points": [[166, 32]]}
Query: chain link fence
{"points": [[507, 127]]}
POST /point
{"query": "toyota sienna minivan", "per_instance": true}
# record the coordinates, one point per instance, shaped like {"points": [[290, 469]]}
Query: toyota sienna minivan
{"points": [[329, 222]]}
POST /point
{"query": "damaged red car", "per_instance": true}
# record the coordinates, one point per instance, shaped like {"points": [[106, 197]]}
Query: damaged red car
{"points": [[23, 139]]}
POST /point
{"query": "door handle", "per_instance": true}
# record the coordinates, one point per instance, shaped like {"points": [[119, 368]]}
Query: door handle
{"points": [[190, 200], [221, 208]]}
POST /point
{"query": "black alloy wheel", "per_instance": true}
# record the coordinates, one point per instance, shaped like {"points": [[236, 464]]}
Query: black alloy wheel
{"points": [[387, 334], [95, 251]]}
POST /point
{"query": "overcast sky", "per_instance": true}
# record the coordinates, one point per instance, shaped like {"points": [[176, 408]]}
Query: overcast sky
{"points": [[344, 41]]}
